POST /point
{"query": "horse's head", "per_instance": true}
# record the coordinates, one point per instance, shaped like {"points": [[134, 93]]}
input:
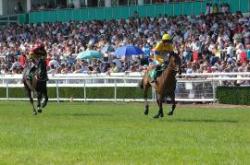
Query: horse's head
{"points": [[175, 62]]}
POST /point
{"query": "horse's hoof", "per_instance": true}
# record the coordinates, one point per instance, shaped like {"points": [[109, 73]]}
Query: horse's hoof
{"points": [[39, 111], [170, 113], [44, 104], [146, 110], [158, 116], [34, 113]]}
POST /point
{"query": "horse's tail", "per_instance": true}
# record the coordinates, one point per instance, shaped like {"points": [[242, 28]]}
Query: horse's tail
{"points": [[140, 84]]}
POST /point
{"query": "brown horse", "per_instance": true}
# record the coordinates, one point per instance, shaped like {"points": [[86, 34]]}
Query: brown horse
{"points": [[164, 86]]}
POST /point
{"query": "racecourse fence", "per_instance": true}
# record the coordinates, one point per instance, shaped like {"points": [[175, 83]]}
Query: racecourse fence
{"points": [[190, 87]]}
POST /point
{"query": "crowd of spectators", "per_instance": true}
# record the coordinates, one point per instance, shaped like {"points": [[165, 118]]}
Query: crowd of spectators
{"points": [[206, 43], [48, 6]]}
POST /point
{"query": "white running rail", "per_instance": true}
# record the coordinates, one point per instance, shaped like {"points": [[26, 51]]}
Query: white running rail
{"points": [[190, 87]]}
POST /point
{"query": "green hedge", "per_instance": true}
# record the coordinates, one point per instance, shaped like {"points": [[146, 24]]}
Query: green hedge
{"points": [[108, 92], [233, 95], [225, 95]]}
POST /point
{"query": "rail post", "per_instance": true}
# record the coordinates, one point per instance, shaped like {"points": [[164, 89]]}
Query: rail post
{"points": [[57, 92], [7, 90], [214, 93], [84, 86], [115, 91]]}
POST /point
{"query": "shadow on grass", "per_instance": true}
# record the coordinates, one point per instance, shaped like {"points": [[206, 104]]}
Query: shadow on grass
{"points": [[82, 114], [91, 114], [204, 120]]}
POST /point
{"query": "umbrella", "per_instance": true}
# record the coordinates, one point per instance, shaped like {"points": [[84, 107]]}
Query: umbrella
{"points": [[128, 50], [89, 54]]}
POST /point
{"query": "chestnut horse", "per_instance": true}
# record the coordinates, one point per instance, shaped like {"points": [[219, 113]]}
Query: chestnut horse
{"points": [[164, 86]]}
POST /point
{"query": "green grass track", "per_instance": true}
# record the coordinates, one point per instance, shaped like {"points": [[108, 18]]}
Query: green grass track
{"points": [[119, 133]]}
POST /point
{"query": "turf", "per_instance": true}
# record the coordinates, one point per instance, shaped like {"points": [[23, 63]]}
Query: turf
{"points": [[110, 133]]}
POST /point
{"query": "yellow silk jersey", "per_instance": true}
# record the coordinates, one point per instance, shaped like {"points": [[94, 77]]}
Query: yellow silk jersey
{"points": [[161, 51]]}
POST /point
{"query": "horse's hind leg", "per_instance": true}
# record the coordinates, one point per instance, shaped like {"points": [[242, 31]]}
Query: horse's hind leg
{"points": [[146, 107], [172, 96], [39, 98], [44, 103], [45, 94]]}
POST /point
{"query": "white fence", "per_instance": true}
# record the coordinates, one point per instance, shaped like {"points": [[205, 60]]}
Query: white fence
{"points": [[190, 88]]}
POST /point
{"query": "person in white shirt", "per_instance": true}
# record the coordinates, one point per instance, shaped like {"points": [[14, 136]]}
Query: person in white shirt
{"points": [[230, 50], [53, 62]]}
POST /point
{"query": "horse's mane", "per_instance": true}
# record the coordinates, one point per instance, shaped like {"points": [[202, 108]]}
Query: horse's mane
{"points": [[170, 70]]}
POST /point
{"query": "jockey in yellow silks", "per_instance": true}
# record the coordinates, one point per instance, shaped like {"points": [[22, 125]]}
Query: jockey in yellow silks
{"points": [[161, 52]]}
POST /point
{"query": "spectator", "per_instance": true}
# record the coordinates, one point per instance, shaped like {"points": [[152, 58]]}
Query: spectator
{"points": [[18, 8], [206, 43]]}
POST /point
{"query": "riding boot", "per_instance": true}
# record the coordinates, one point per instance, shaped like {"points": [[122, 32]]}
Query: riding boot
{"points": [[154, 78], [155, 75], [42, 70], [43, 76]]}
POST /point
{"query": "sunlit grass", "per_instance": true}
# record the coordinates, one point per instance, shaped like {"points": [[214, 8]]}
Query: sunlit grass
{"points": [[109, 133]]}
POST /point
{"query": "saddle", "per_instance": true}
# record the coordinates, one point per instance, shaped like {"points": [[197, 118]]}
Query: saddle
{"points": [[39, 72], [156, 72]]}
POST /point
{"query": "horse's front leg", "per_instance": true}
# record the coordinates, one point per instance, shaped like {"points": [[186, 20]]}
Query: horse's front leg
{"points": [[30, 86], [31, 95], [44, 103], [160, 112], [172, 96], [146, 107], [44, 94]]}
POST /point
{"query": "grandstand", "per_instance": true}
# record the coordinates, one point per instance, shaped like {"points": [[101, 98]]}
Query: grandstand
{"points": [[210, 36]]}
